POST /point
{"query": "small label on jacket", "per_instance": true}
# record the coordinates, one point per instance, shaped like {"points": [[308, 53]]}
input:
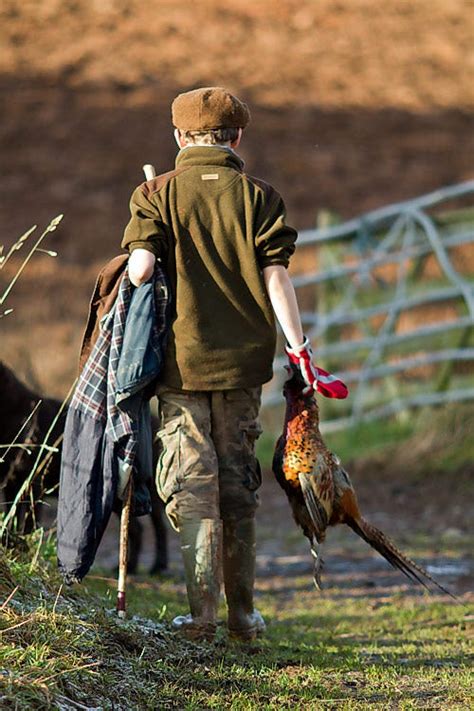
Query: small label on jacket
{"points": [[210, 176]]}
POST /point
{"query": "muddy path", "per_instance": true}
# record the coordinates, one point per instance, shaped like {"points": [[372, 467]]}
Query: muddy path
{"points": [[284, 564]]}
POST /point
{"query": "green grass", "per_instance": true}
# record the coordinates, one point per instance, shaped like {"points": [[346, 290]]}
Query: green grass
{"points": [[334, 650]]}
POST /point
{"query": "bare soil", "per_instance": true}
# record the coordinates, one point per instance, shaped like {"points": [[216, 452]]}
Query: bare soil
{"points": [[428, 520], [354, 104]]}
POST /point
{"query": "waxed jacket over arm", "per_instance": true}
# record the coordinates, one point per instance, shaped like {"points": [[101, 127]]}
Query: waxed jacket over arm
{"points": [[107, 435]]}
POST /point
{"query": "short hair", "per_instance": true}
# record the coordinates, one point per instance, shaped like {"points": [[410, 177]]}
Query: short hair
{"points": [[212, 137]]}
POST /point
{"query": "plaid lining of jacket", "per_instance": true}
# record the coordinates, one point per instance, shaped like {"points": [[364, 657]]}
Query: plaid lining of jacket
{"points": [[108, 431]]}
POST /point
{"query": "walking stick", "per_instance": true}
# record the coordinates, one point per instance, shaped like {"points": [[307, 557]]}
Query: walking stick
{"points": [[123, 550], [150, 173]]}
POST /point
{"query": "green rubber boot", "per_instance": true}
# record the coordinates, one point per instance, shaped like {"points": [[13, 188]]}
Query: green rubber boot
{"points": [[201, 547], [244, 621]]}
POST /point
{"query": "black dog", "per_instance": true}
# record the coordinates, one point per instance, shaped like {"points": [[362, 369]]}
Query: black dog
{"points": [[16, 404]]}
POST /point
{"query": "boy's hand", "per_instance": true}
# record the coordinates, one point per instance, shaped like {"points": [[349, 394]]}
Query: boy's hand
{"points": [[315, 377]]}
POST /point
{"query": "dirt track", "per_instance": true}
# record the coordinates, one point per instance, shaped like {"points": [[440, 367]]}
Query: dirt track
{"points": [[437, 530]]}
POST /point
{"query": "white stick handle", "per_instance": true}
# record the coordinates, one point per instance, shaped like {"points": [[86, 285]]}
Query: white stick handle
{"points": [[149, 171]]}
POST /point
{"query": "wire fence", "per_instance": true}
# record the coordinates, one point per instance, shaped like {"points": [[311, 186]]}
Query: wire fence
{"points": [[390, 308]]}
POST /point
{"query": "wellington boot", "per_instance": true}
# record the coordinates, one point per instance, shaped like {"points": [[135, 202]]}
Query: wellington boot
{"points": [[201, 546], [244, 621]]}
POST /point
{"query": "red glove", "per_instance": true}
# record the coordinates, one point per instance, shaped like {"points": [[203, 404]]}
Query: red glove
{"points": [[315, 377]]}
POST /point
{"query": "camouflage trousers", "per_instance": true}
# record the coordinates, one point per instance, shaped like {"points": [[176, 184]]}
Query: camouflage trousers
{"points": [[206, 442]]}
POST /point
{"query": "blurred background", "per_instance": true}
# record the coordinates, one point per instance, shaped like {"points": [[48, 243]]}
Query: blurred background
{"points": [[354, 104]]}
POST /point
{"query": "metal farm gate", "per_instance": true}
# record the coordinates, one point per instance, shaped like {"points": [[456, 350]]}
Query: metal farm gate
{"points": [[390, 307]]}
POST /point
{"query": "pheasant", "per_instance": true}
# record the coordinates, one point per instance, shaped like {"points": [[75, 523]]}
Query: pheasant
{"points": [[319, 490]]}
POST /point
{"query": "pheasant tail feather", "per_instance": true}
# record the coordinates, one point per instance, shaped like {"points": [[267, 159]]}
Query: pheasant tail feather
{"points": [[383, 545]]}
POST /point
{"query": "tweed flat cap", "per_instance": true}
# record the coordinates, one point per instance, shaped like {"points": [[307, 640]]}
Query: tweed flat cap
{"points": [[208, 108]]}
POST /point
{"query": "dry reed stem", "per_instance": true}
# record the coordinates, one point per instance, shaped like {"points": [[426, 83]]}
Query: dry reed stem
{"points": [[13, 444], [18, 624], [4, 258], [44, 679], [5, 602], [50, 228]]}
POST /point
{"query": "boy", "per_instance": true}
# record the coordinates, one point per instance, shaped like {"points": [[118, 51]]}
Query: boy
{"points": [[222, 239]]}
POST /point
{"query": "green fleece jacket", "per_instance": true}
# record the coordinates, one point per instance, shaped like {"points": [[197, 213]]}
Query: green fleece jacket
{"points": [[214, 229]]}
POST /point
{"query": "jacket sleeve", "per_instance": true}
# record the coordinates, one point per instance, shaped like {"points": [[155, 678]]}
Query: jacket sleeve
{"points": [[274, 239], [145, 229]]}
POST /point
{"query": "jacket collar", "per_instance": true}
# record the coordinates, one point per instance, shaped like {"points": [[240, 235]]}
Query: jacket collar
{"points": [[209, 155]]}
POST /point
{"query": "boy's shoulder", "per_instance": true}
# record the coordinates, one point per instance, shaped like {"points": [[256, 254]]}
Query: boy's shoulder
{"points": [[269, 192], [149, 187]]}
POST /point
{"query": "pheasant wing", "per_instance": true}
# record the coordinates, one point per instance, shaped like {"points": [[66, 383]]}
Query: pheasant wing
{"points": [[318, 493], [315, 508]]}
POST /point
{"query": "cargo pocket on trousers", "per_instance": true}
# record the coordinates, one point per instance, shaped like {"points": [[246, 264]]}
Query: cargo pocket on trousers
{"points": [[251, 431], [169, 463]]}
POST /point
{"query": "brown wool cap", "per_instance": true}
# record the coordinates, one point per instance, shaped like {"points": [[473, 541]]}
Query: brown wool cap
{"points": [[208, 108]]}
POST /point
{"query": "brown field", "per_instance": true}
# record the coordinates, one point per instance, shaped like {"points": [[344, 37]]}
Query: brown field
{"points": [[355, 104]]}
